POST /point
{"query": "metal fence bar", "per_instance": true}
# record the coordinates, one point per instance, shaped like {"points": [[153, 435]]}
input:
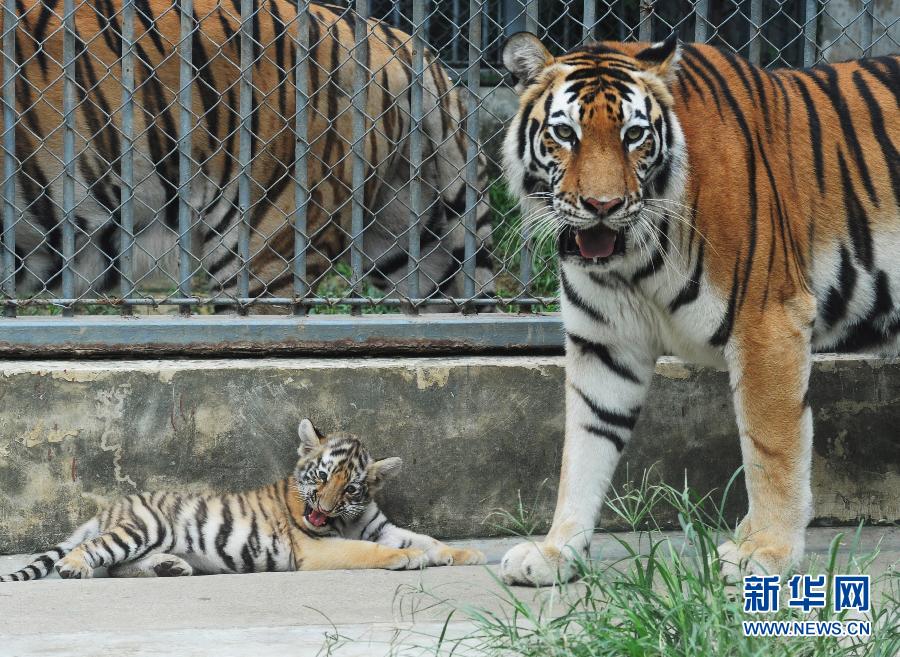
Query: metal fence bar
{"points": [[301, 152], [68, 227], [645, 31], [126, 158], [532, 10], [589, 17], [473, 82], [359, 104], [526, 256], [384, 334], [10, 23], [866, 28], [756, 18], [245, 148], [701, 20], [810, 32], [185, 127], [415, 155]]}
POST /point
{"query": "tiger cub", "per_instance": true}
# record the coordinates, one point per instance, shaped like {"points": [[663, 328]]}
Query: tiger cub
{"points": [[321, 517]]}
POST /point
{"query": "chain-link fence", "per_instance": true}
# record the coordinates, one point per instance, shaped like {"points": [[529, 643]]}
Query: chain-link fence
{"points": [[200, 156]]}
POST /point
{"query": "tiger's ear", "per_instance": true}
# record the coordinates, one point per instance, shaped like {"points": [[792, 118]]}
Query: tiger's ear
{"points": [[525, 56], [310, 437], [661, 58], [380, 471]]}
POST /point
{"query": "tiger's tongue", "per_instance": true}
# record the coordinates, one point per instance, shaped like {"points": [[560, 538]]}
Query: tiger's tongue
{"points": [[317, 518], [597, 242]]}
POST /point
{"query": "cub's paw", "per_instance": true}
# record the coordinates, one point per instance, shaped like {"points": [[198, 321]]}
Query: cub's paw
{"points": [[443, 555], [168, 565], [536, 564], [753, 557], [409, 559], [73, 568]]}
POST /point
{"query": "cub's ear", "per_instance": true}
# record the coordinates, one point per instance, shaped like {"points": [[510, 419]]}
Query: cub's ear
{"points": [[310, 437], [380, 471], [525, 56], [661, 58]]}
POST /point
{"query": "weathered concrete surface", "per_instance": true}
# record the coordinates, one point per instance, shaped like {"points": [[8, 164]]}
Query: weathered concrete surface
{"points": [[299, 614], [843, 29], [473, 432]]}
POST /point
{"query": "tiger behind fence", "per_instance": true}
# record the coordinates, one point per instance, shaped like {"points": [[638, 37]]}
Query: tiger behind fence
{"points": [[322, 517], [215, 141]]}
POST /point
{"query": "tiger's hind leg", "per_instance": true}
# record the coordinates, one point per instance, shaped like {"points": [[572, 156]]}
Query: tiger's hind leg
{"points": [[117, 545], [157, 565]]}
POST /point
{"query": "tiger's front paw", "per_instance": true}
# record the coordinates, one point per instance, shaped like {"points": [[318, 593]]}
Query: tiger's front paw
{"points": [[169, 565], [70, 567], [408, 559], [443, 555], [757, 556], [536, 564]]}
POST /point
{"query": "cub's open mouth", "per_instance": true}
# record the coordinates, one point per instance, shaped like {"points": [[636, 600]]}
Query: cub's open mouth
{"points": [[316, 518], [595, 243]]}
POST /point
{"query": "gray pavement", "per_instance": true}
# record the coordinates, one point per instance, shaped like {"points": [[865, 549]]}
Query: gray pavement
{"points": [[344, 613]]}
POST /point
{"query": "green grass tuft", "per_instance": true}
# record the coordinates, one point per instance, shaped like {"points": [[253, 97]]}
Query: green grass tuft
{"points": [[666, 598]]}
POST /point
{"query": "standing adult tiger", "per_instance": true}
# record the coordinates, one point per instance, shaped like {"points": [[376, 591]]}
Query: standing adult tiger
{"points": [[215, 45], [726, 214]]}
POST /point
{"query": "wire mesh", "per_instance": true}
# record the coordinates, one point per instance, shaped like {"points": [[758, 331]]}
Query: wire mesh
{"points": [[197, 156]]}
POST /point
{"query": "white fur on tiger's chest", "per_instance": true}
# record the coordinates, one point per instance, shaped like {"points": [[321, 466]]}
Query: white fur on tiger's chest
{"points": [[639, 316]]}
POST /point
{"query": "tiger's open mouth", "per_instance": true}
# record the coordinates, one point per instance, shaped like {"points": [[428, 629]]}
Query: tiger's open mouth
{"points": [[316, 518], [597, 243]]}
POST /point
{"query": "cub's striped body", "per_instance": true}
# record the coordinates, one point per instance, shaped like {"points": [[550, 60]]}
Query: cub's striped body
{"points": [[322, 517], [716, 211], [215, 140]]}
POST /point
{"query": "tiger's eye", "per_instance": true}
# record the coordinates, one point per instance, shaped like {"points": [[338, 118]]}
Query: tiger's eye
{"points": [[634, 133], [564, 132], [323, 475], [352, 489]]}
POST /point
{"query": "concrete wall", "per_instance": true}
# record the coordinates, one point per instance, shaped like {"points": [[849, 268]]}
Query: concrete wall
{"points": [[473, 432], [842, 29]]}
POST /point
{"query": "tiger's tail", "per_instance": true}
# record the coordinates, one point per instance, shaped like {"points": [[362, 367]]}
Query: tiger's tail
{"points": [[43, 563]]}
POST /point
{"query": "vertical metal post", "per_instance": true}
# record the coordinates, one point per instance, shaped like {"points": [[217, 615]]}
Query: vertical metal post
{"points": [[645, 31], [866, 28], [473, 82], [531, 16], [589, 18], [301, 151], [245, 150], [415, 155], [810, 32], [457, 31], [185, 129], [532, 10], [360, 104], [756, 19], [68, 227], [513, 17], [701, 20], [10, 23], [126, 159]]}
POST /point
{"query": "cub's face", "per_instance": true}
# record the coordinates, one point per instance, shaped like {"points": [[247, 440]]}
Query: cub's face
{"points": [[336, 477], [594, 146]]}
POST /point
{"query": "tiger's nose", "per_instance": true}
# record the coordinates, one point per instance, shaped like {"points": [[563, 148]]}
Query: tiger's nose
{"points": [[602, 208]]}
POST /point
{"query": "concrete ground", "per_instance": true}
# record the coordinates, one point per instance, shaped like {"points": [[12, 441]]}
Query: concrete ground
{"points": [[344, 613]]}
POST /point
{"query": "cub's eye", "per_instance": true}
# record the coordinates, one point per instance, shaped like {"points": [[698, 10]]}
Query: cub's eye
{"points": [[323, 475], [634, 133], [352, 489], [564, 132]]}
